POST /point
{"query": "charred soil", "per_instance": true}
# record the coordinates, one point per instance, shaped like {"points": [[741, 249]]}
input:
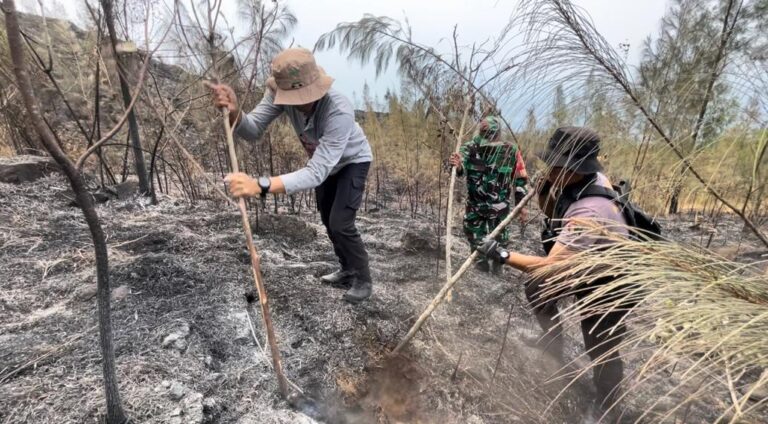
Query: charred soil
{"points": [[189, 350]]}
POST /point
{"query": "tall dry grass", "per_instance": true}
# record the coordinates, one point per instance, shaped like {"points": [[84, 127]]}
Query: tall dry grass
{"points": [[692, 314]]}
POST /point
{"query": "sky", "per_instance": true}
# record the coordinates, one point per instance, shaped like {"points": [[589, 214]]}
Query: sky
{"points": [[619, 21]]}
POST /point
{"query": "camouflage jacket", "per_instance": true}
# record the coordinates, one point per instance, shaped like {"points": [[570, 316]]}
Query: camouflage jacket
{"points": [[492, 170]]}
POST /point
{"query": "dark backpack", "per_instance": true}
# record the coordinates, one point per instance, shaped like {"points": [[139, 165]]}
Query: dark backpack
{"points": [[642, 227]]}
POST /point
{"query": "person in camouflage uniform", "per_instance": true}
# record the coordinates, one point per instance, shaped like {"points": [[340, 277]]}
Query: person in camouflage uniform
{"points": [[495, 173]]}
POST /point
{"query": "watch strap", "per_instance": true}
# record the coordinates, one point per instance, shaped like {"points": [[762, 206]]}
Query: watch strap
{"points": [[264, 184]]}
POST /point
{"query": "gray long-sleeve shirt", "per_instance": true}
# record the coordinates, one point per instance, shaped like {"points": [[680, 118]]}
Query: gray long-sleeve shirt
{"points": [[330, 136]]}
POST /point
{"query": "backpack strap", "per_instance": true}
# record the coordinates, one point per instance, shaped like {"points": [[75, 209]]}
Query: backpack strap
{"points": [[595, 190], [473, 157], [641, 226], [589, 188], [570, 194]]}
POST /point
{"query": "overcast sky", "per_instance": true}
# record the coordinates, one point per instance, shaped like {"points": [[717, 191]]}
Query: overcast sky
{"points": [[620, 21]]}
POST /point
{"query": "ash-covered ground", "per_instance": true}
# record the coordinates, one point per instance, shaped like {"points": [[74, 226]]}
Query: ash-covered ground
{"points": [[185, 345]]}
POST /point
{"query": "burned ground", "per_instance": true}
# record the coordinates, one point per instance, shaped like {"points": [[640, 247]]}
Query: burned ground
{"points": [[184, 343]]}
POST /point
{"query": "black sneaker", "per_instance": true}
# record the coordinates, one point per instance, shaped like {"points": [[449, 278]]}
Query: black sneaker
{"points": [[340, 279], [360, 291]]}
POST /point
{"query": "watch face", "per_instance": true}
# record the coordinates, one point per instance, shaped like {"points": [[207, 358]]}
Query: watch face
{"points": [[504, 254], [264, 184]]}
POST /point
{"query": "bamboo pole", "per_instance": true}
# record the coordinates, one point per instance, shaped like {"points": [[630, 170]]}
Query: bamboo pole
{"points": [[282, 381], [441, 295]]}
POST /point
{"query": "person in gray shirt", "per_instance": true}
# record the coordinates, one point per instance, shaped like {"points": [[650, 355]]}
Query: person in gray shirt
{"points": [[338, 150], [588, 223]]}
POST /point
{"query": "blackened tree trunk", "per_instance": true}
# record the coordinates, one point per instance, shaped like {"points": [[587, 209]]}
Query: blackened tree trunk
{"points": [[133, 125], [115, 413]]}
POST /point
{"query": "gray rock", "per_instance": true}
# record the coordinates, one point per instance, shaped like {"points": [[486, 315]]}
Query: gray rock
{"points": [[180, 345], [177, 339], [120, 293], [23, 169], [243, 334], [85, 292], [163, 386], [193, 408], [177, 391]]}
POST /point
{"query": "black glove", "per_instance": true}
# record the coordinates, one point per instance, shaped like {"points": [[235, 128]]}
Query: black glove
{"points": [[520, 193], [491, 249]]}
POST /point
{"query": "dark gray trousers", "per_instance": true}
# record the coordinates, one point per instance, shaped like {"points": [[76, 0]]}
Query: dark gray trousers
{"points": [[338, 199], [602, 335]]}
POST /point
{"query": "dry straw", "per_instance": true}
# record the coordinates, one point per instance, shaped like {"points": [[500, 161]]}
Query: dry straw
{"points": [[697, 308]]}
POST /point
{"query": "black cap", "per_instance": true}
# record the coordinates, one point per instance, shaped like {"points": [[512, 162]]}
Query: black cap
{"points": [[573, 148]]}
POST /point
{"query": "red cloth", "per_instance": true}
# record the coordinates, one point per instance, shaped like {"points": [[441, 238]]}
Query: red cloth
{"points": [[520, 171]]}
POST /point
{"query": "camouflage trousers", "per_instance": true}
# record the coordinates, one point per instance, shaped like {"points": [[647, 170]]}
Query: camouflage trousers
{"points": [[477, 226]]}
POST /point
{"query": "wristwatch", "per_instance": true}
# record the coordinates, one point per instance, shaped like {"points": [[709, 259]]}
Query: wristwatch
{"points": [[264, 183], [504, 255]]}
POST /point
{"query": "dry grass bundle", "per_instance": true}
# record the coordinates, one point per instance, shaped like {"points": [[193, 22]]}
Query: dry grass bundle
{"points": [[704, 316]]}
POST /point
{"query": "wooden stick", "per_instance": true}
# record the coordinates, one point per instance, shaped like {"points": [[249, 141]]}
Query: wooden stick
{"points": [[191, 159], [455, 278], [503, 345], [50, 352], [451, 186], [282, 382]]}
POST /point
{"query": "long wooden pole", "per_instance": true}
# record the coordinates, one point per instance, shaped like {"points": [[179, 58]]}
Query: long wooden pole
{"points": [[282, 382], [451, 186], [455, 278]]}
